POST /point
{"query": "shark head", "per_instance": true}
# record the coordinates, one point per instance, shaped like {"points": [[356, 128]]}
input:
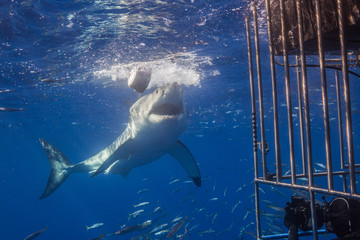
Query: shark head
{"points": [[163, 108]]}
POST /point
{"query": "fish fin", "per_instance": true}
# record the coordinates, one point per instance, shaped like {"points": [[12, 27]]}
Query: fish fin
{"points": [[112, 159], [182, 154], [108, 170], [125, 172], [60, 168], [119, 167]]}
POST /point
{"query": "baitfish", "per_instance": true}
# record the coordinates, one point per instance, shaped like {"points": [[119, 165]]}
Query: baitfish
{"points": [[141, 204], [175, 228], [35, 234], [95, 226]]}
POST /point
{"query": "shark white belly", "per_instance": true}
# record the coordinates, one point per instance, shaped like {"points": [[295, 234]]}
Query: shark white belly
{"points": [[156, 122]]}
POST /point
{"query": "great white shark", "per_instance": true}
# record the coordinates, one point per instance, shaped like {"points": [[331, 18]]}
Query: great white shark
{"points": [[156, 122]]}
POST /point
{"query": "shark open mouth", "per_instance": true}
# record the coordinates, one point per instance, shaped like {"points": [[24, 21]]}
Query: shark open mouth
{"points": [[167, 110]]}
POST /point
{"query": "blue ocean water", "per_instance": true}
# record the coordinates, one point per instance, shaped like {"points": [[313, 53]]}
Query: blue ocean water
{"points": [[64, 65]]}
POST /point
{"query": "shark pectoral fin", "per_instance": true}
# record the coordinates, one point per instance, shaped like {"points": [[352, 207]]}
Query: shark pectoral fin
{"points": [[119, 167], [108, 163], [61, 168], [182, 154], [125, 172], [109, 169]]}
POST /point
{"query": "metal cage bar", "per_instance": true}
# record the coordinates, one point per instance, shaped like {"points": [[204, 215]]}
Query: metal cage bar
{"points": [[260, 94], [324, 95], [345, 74], [274, 96], [301, 117], [253, 117], [288, 93], [340, 127], [347, 171]]}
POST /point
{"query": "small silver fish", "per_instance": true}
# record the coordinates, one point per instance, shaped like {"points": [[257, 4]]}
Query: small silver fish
{"points": [[174, 181], [200, 209], [246, 215], [161, 232], [235, 206], [156, 209], [321, 165], [143, 190], [6, 109], [176, 190], [213, 199], [176, 219], [94, 226], [188, 181], [193, 227], [278, 209], [207, 231], [261, 190], [216, 214], [135, 214], [240, 188], [158, 228], [141, 204], [146, 223]]}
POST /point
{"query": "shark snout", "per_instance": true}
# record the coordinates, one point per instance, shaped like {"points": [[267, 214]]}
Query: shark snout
{"points": [[172, 90], [170, 101]]}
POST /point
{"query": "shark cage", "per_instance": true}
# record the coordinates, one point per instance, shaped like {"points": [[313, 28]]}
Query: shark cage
{"points": [[303, 38]]}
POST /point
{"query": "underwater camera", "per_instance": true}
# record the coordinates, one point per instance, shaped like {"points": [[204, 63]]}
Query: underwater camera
{"points": [[298, 215]]}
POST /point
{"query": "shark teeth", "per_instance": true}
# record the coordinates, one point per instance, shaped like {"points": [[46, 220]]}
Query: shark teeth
{"points": [[167, 110]]}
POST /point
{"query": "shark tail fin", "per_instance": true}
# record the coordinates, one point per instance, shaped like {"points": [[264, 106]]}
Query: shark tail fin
{"points": [[60, 168]]}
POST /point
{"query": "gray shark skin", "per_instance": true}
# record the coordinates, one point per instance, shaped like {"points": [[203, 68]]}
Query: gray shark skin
{"points": [[155, 124]]}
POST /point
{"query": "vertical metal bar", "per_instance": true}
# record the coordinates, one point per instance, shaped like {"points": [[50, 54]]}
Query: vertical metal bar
{"points": [[288, 94], [301, 117], [307, 114], [324, 96], [338, 100], [313, 214], [341, 140], [305, 94], [274, 96], [345, 74], [257, 210], [260, 93], [253, 109]]}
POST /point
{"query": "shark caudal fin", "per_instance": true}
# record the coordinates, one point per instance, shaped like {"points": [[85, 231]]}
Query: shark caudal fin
{"points": [[60, 168]]}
